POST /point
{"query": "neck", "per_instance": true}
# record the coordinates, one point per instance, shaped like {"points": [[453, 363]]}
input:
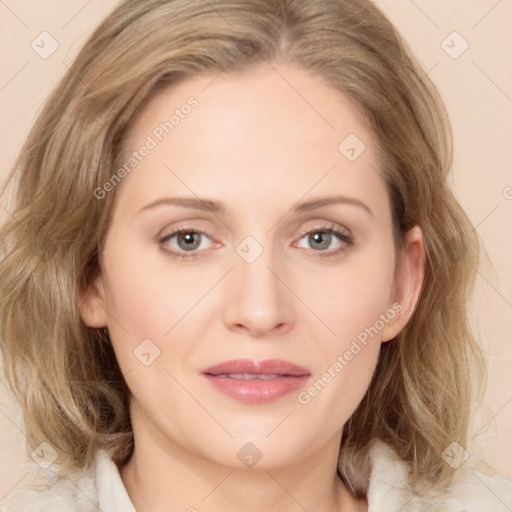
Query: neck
{"points": [[160, 474]]}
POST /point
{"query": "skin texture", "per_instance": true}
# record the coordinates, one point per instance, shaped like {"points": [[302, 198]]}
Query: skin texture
{"points": [[259, 142]]}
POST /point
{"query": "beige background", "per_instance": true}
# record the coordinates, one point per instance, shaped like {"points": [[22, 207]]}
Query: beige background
{"points": [[477, 88]]}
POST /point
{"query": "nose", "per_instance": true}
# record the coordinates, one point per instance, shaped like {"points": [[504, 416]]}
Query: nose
{"points": [[259, 302]]}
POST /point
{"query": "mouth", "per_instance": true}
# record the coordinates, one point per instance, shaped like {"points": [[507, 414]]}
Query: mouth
{"points": [[251, 381]]}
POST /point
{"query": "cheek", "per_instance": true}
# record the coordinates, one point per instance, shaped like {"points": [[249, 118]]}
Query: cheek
{"points": [[143, 294], [346, 360], [355, 304], [149, 298], [353, 297]]}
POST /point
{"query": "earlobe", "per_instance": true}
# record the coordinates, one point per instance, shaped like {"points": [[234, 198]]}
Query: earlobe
{"points": [[92, 304], [408, 282]]}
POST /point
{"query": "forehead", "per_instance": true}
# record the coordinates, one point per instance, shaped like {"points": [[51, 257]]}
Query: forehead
{"points": [[276, 131]]}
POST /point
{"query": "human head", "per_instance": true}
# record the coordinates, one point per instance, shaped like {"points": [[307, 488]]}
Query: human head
{"points": [[59, 224]]}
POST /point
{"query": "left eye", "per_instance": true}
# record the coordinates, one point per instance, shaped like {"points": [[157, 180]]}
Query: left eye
{"points": [[323, 239], [186, 240]]}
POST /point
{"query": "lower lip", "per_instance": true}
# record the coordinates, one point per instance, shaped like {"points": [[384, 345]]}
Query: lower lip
{"points": [[257, 391]]}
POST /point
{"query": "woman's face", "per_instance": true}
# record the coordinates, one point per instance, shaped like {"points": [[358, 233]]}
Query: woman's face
{"points": [[249, 274]]}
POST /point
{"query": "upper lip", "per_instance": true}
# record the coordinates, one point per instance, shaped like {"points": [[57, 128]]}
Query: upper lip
{"points": [[266, 367]]}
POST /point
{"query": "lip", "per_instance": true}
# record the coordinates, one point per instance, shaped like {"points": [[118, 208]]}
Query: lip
{"points": [[281, 378]]}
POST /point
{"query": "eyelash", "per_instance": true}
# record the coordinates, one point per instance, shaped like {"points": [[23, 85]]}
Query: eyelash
{"points": [[176, 254], [345, 238]]}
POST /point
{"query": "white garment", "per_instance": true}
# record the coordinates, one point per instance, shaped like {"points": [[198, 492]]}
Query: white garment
{"points": [[104, 491]]}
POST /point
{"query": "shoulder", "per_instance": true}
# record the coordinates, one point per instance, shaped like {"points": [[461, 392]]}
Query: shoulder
{"points": [[99, 489], [470, 490]]}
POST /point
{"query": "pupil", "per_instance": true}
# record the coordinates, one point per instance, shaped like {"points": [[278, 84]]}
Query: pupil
{"points": [[322, 240], [190, 243]]}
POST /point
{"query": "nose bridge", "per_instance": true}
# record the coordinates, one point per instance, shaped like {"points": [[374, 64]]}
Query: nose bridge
{"points": [[258, 300]]}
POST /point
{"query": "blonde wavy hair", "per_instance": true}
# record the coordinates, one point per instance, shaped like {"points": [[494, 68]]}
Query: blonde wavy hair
{"points": [[65, 374]]}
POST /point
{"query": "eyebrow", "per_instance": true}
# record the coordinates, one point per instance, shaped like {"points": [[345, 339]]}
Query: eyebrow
{"points": [[217, 207], [187, 202], [327, 201]]}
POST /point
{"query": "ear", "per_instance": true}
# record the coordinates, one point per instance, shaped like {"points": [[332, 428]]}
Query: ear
{"points": [[92, 304], [408, 281]]}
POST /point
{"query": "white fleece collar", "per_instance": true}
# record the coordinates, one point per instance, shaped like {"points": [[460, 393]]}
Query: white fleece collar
{"points": [[112, 494], [104, 491], [470, 490]]}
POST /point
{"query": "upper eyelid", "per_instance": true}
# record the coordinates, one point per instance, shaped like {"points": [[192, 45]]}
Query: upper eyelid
{"points": [[172, 233], [326, 225], [168, 231], [330, 227], [346, 238]]}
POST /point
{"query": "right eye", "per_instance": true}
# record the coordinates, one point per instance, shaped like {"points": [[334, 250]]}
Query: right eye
{"points": [[183, 241]]}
